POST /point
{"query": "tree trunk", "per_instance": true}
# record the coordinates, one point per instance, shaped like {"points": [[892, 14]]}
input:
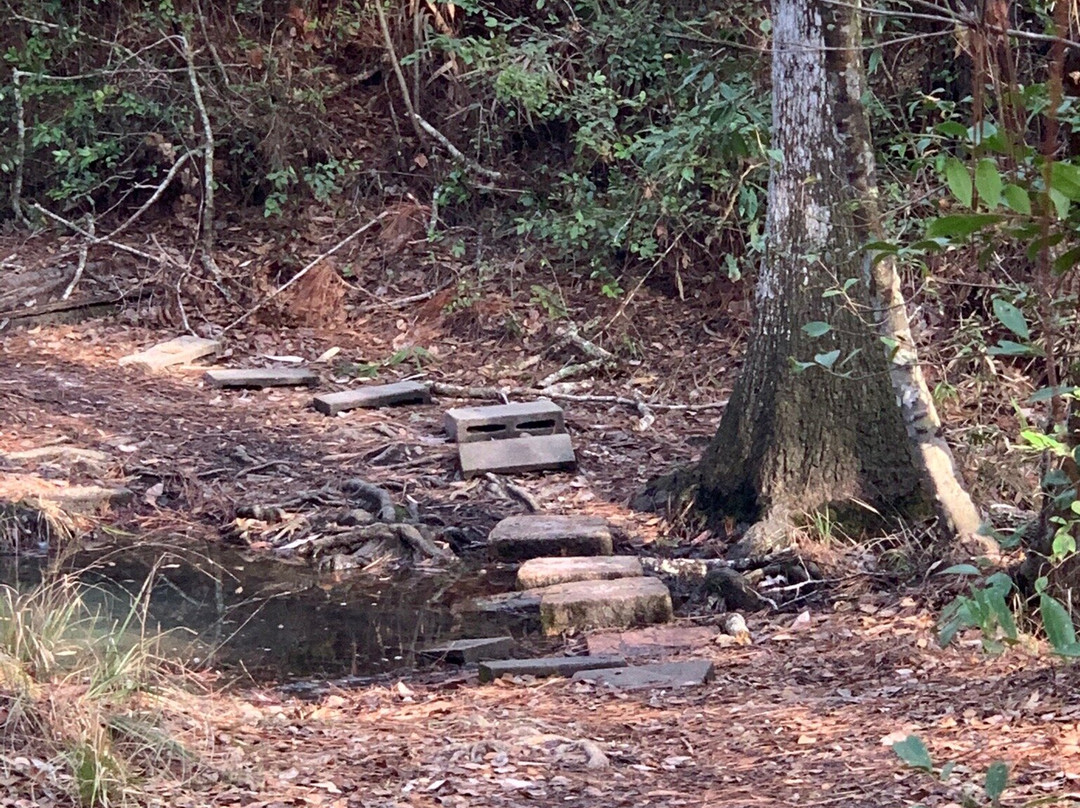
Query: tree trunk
{"points": [[954, 506], [793, 438]]}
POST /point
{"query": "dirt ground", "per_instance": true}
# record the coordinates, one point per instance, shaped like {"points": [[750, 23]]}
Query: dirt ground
{"points": [[800, 717]]}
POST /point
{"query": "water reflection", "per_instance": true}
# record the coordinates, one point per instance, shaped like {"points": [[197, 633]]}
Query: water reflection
{"points": [[272, 619]]}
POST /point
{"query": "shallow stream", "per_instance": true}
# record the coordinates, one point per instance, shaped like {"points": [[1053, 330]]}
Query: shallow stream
{"points": [[277, 621]]}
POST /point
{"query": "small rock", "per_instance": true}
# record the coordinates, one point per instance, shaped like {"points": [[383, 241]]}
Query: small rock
{"points": [[538, 572], [735, 590]]}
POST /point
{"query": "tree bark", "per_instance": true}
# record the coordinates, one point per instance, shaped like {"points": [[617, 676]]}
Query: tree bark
{"points": [[795, 439], [954, 505]]}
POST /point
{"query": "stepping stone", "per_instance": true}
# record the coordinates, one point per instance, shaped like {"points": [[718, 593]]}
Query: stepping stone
{"points": [[662, 675], [519, 538], [654, 640], [178, 351], [621, 603], [471, 424], [462, 652], [262, 377], [378, 395], [547, 666], [538, 572], [517, 455], [507, 604]]}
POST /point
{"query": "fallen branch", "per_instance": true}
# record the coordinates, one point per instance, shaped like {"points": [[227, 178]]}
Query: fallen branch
{"points": [[374, 495], [573, 370], [158, 259], [501, 394], [516, 491], [394, 63], [311, 265], [84, 255], [570, 335], [208, 163], [455, 152]]}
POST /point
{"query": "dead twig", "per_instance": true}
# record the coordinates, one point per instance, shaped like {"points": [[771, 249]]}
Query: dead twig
{"points": [[311, 265], [573, 370], [520, 493], [208, 163], [84, 255], [501, 394]]}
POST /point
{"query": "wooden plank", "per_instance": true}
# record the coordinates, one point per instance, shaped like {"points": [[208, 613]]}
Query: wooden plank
{"points": [[373, 396], [262, 377], [178, 351]]}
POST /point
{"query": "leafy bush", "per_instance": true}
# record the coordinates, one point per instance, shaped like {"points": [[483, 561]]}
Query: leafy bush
{"points": [[664, 132]]}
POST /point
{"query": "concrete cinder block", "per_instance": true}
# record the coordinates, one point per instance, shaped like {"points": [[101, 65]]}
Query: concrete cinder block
{"points": [[262, 377], [538, 572], [504, 421], [547, 666], [621, 603], [662, 675], [372, 396], [517, 455], [519, 538]]}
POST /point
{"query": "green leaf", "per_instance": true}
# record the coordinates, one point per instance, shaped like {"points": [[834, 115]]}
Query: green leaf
{"points": [[960, 225], [952, 129], [817, 329], [997, 777], [1061, 203], [1057, 622], [1065, 179], [959, 180], [1007, 347], [914, 753], [1067, 260], [1047, 393], [961, 569], [1063, 545], [988, 183], [827, 360], [1017, 198], [1011, 317]]}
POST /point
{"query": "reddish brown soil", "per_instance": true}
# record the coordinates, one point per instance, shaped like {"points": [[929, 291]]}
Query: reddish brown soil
{"points": [[796, 719]]}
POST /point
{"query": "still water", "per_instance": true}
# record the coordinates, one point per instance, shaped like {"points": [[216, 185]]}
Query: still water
{"points": [[277, 621]]}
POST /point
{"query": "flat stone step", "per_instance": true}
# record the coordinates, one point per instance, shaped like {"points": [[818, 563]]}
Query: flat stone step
{"points": [[177, 351], [463, 652], [377, 395], [651, 641], [519, 538], [259, 378], [503, 421], [621, 603], [517, 455], [547, 666], [661, 675], [538, 572]]}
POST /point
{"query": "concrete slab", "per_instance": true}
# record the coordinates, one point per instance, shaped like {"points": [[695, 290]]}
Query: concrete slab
{"points": [[651, 641], [262, 377], [538, 572], [519, 538], [377, 395], [503, 421], [547, 666], [178, 351], [463, 652], [621, 603], [662, 675], [516, 455]]}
